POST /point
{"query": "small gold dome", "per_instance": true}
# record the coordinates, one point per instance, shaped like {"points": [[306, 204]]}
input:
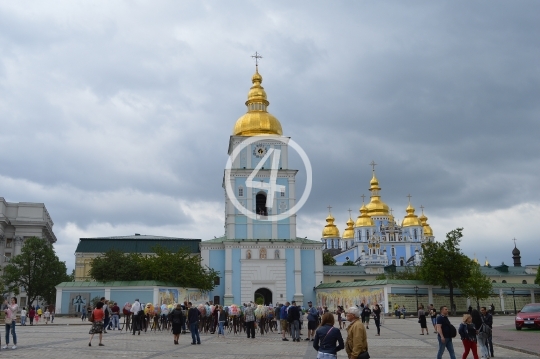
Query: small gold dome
{"points": [[428, 232], [486, 264], [364, 220], [257, 121], [410, 219], [348, 233], [376, 207], [330, 230]]}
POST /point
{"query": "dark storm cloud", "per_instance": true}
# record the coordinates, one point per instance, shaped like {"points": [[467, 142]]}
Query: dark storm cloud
{"points": [[120, 113]]}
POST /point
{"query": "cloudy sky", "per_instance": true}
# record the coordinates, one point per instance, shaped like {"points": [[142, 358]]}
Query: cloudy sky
{"points": [[117, 115]]}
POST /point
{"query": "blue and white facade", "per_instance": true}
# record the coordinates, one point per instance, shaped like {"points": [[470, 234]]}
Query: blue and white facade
{"points": [[379, 240], [260, 254]]}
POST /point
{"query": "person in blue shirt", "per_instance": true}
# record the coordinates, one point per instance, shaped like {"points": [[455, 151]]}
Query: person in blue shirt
{"points": [[328, 340], [313, 321], [283, 321]]}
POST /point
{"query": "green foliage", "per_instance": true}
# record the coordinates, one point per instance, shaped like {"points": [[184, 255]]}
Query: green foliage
{"points": [[537, 280], [444, 264], [37, 270], [180, 268], [381, 277], [349, 263], [259, 301], [478, 286], [328, 260]]}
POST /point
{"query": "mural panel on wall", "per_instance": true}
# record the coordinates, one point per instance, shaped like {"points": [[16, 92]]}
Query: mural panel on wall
{"points": [[348, 297], [78, 302], [193, 295], [167, 296]]}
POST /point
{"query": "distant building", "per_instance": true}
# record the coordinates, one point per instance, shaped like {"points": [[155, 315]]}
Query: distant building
{"points": [[19, 221], [90, 248]]}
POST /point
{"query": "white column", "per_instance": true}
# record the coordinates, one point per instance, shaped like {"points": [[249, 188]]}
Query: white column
{"points": [[228, 297], [58, 306], [532, 295], [156, 295], [298, 276], [107, 293], [18, 245], [385, 304], [319, 274], [501, 296], [430, 294]]}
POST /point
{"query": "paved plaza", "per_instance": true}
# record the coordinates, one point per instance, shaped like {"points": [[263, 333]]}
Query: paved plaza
{"points": [[68, 338]]}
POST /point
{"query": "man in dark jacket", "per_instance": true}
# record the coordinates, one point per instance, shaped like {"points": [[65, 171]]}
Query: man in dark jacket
{"points": [[193, 318], [293, 317], [488, 319]]}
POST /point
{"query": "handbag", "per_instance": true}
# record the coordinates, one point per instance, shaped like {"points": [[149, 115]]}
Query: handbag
{"points": [[91, 319], [8, 320], [364, 355]]}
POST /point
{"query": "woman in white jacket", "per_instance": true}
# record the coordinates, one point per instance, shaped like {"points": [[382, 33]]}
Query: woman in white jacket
{"points": [[11, 318]]}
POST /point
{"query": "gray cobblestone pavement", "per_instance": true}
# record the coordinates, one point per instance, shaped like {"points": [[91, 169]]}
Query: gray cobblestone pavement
{"points": [[68, 338]]}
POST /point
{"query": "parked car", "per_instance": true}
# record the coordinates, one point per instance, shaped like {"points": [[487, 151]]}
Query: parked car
{"points": [[529, 316]]}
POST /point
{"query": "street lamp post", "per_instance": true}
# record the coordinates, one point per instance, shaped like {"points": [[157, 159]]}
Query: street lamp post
{"points": [[416, 295], [513, 296]]}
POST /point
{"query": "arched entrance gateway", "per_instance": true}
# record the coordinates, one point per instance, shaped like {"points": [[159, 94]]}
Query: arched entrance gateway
{"points": [[263, 294]]}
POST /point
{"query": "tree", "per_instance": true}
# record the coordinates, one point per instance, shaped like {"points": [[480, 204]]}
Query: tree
{"points": [[180, 268], [444, 264], [349, 263], [328, 260], [478, 286], [116, 265], [537, 280], [37, 270]]}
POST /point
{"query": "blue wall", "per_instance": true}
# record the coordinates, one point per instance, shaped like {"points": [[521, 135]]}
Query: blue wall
{"points": [[236, 275], [122, 296], [217, 262], [289, 273], [308, 275]]}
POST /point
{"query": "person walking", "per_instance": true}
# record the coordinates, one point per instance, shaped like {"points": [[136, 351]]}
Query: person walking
{"points": [[249, 318], [293, 317], [433, 316], [339, 313], [367, 315], [115, 318], [222, 318], [467, 332], [422, 319], [444, 334], [356, 334], [481, 333], [23, 316], [47, 315], [97, 324], [284, 323], [136, 319], [31, 315], [488, 320], [107, 311], [328, 340], [10, 320], [377, 318], [193, 318], [177, 317], [52, 316], [313, 321]]}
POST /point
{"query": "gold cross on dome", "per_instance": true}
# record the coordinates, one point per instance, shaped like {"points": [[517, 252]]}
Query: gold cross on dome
{"points": [[257, 56], [329, 208], [373, 164]]}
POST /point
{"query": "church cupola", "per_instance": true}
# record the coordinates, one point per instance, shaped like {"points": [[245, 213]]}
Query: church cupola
{"points": [[330, 233], [516, 255], [428, 232], [257, 121], [411, 219], [376, 207]]}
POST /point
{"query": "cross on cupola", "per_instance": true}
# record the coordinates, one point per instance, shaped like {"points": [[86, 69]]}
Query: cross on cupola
{"points": [[373, 164], [409, 195], [329, 209], [257, 56]]}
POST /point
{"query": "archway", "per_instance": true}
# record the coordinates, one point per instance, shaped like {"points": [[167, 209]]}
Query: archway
{"points": [[260, 202], [264, 295]]}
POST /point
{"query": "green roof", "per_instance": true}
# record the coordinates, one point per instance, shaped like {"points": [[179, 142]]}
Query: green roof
{"points": [[412, 283], [297, 240], [136, 244], [131, 283]]}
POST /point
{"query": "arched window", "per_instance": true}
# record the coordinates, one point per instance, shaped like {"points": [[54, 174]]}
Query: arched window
{"points": [[524, 282], [393, 261], [338, 281], [504, 281], [415, 234], [393, 251], [260, 202], [367, 234], [494, 281], [401, 262]]}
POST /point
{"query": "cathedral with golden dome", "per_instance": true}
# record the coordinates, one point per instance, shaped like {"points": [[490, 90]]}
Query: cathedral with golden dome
{"points": [[376, 239]]}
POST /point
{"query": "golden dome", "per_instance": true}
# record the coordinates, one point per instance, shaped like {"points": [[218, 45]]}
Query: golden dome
{"points": [[486, 264], [428, 232], [330, 230], [411, 219], [349, 232], [364, 220], [257, 121], [376, 207]]}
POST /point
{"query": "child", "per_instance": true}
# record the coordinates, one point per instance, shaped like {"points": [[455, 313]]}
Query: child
{"points": [[47, 315]]}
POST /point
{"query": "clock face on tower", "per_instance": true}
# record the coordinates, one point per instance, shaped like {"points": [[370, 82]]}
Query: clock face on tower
{"points": [[259, 151]]}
